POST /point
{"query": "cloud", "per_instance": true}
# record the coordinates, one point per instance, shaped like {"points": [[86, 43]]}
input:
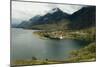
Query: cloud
{"points": [[26, 10]]}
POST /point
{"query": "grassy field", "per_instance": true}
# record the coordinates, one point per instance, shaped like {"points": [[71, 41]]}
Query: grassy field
{"points": [[85, 54]]}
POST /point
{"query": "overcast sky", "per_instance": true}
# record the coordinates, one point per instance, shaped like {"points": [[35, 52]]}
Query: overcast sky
{"points": [[26, 10]]}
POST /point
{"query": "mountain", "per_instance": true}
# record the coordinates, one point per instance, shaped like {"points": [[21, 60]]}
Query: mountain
{"points": [[23, 24], [54, 15], [29, 23], [35, 20], [15, 22], [84, 18], [56, 18]]}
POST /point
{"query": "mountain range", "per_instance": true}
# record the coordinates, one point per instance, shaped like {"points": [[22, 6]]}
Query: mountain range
{"points": [[82, 18]]}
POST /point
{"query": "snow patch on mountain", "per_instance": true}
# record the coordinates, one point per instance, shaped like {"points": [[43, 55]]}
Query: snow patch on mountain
{"points": [[54, 10]]}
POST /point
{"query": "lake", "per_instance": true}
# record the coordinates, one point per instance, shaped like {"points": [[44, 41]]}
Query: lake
{"points": [[25, 45]]}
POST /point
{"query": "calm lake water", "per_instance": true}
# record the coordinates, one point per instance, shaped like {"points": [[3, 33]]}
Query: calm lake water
{"points": [[25, 45]]}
